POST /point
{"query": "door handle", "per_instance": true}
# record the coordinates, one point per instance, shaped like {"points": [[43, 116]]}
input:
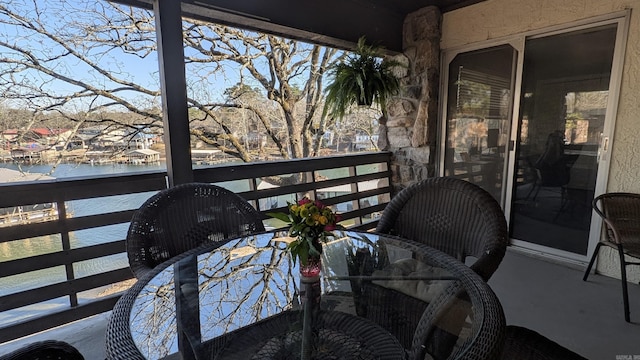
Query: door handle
{"points": [[603, 148]]}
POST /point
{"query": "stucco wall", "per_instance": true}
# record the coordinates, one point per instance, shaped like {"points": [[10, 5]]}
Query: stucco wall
{"points": [[493, 19]]}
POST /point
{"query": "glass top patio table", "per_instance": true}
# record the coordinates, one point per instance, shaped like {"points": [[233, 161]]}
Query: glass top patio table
{"points": [[377, 297]]}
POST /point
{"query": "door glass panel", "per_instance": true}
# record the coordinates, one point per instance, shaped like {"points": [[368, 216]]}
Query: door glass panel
{"points": [[478, 117], [563, 106]]}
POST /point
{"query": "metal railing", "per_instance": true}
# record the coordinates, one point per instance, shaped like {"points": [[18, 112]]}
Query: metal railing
{"points": [[358, 186]]}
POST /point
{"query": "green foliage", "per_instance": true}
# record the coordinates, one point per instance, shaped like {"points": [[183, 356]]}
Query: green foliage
{"points": [[363, 79]]}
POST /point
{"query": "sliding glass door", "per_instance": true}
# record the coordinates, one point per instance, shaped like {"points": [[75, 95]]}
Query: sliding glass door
{"points": [[530, 123], [478, 117], [565, 90]]}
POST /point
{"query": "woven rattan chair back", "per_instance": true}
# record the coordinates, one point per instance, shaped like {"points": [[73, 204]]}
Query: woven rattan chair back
{"points": [[45, 350], [621, 231], [451, 215], [525, 344], [184, 217]]}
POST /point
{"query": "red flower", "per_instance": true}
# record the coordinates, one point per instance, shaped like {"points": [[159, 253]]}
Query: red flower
{"points": [[329, 227], [303, 201]]}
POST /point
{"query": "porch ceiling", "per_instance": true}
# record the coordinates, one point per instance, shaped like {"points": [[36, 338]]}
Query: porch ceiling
{"points": [[336, 23]]}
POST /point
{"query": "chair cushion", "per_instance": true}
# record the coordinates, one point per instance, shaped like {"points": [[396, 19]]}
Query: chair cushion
{"points": [[424, 290]]}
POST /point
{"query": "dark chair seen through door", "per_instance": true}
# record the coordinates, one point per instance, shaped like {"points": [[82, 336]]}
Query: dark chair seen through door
{"points": [[551, 168]]}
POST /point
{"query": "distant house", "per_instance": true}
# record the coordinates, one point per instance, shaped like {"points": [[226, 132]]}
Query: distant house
{"points": [[45, 136], [29, 153], [365, 141], [105, 137], [41, 136], [141, 140], [75, 142], [7, 137], [142, 156], [10, 134]]}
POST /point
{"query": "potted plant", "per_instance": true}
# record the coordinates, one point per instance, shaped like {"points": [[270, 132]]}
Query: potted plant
{"points": [[363, 78]]}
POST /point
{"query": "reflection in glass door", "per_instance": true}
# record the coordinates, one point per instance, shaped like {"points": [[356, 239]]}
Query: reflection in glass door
{"points": [[565, 89], [478, 117]]}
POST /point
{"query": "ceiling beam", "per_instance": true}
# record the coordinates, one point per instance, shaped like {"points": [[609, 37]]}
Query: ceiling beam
{"points": [[336, 23]]}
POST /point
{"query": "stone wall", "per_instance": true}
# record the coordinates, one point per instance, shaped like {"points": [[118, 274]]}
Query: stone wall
{"points": [[409, 130]]}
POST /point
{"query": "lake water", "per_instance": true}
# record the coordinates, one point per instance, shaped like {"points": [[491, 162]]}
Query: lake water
{"points": [[73, 170], [47, 244]]}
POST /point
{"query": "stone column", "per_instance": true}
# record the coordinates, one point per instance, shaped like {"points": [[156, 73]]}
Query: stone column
{"points": [[409, 130]]}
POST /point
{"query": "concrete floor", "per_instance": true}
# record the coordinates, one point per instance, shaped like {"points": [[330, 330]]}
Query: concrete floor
{"points": [[552, 299], [586, 317], [86, 335]]}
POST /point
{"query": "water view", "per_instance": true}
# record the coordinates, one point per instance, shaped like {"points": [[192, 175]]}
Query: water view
{"points": [[52, 243]]}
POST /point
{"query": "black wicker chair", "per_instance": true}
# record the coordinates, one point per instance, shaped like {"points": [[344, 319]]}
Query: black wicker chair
{"points": [[184, 217], [463, 321], [525, 344], [45, 350], [453, 216], [621, 215]]}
